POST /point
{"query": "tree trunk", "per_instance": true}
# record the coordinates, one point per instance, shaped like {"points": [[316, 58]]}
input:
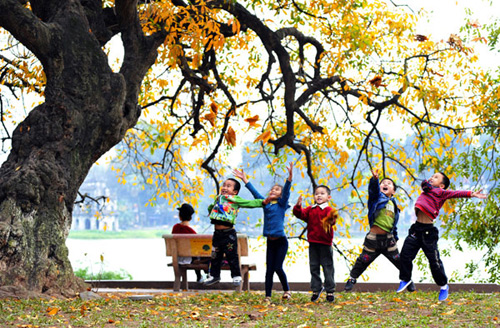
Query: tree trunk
{"points": [[87, 111]]}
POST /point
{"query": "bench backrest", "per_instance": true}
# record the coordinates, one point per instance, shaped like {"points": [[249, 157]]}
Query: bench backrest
{"points": [[197, 245]]}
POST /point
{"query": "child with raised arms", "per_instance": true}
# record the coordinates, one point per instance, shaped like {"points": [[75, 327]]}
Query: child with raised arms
{"points": [[223, 212], [274, 222], [383, 216]]}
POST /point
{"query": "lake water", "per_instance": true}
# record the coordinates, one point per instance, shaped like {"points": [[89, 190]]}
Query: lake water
{"points": [[145, 259]]}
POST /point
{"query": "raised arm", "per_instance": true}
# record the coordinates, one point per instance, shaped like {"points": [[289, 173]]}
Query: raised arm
{"points": [[479, 195], [255, 193], [290, 171], [241, 175], [298, 211], [373, 187]]}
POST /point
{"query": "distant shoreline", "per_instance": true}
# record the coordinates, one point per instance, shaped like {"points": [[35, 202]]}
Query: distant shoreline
{"points": [[143, 234]]}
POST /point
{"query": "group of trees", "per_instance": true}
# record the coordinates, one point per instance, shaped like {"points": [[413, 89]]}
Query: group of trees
{"points": [[337, 87]]}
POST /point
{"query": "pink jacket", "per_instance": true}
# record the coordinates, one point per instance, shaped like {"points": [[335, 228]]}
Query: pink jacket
{"points": [[432, 198]]}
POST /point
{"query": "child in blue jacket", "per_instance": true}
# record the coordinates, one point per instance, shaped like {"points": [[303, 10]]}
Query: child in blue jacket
{"points": [[274, 221]]}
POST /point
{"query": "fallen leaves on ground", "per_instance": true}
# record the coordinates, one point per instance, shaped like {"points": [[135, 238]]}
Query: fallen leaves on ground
{"points": [[228, 309]]}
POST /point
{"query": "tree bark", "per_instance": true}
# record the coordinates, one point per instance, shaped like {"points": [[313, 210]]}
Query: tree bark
{"points": [[87, 110]]}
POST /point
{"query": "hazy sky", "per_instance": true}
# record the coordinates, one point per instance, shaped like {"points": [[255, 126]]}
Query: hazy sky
{"points": [[447, 16]]}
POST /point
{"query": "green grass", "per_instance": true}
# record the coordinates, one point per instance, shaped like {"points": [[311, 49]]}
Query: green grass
{"points": [[87, 274], [125, 234], [229, 309]]}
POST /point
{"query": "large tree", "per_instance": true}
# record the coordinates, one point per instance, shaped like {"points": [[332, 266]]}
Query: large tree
{"points": [[87, 110], [324, 80]]}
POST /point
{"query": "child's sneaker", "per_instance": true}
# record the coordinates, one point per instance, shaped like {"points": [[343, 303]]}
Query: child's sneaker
{"points": [[443, 293], [211, 281], [237, 281], [403, 285], [202, 278], [349, 284], [315, 296], [287, 295], [330, 297], [411, 287]]}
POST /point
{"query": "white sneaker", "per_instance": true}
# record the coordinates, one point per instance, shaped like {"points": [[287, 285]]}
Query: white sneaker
{"points": [[237, 280], [202, 278]]}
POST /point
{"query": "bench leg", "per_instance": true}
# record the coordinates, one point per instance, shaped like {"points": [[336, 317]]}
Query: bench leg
{"points": [[246, 279], [177, 280], [184, 281]]}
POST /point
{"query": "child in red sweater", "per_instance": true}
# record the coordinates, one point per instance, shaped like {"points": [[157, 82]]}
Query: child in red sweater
{"points": [[186, 212], [424, 235], [320, 219]]}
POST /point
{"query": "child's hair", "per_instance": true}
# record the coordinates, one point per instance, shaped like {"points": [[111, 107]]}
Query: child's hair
{"points": [[393, 183], [237, 185], [278, 185], [328, 191], [185, 212], [446, 180]]}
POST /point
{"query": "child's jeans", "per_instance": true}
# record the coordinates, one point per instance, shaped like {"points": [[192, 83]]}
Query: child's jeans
{"points": [[423, 236], [321, 255], [275, 256], [373, 246], [225, 242]]}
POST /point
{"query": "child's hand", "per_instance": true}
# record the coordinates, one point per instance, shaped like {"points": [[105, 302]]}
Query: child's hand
{"points": [[290, 171], [269, 199], [299, 201], [478, 194], [375, 173], [426, 186], [240, 174]]}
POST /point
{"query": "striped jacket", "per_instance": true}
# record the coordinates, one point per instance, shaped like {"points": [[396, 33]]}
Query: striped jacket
{"points": [[432, 198]]}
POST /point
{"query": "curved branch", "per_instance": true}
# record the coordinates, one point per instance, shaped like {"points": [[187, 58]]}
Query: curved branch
{"points": [[22, 23]]}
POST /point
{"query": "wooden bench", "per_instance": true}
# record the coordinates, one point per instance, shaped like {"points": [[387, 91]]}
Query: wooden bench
{"points": [[197, 245]]}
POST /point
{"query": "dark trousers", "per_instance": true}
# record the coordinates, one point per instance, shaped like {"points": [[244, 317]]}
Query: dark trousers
{"points": [[321, 255], [373, 246], [275, 256], [199, 260], [225, 242], [425, 237]]}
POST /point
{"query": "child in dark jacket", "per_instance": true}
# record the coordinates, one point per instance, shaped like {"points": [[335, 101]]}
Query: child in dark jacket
{"points": [[424, 235], [320, 219], [383, 216], [274, 230]]}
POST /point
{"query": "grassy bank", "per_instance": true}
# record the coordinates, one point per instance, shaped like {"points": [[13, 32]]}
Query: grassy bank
{"points": [[229, 309], [124, 234]]}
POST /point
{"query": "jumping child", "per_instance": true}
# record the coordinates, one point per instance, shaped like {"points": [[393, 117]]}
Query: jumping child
{"points": [[424, 235], [223, 212], [383, 216]]}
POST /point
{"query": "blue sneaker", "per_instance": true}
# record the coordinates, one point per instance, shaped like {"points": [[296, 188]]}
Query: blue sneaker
{"points": [[403, 285], [443, 293], [211, 281]]}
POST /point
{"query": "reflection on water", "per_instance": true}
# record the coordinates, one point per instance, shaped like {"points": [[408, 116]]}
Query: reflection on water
{"points": [[145, 259]]}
